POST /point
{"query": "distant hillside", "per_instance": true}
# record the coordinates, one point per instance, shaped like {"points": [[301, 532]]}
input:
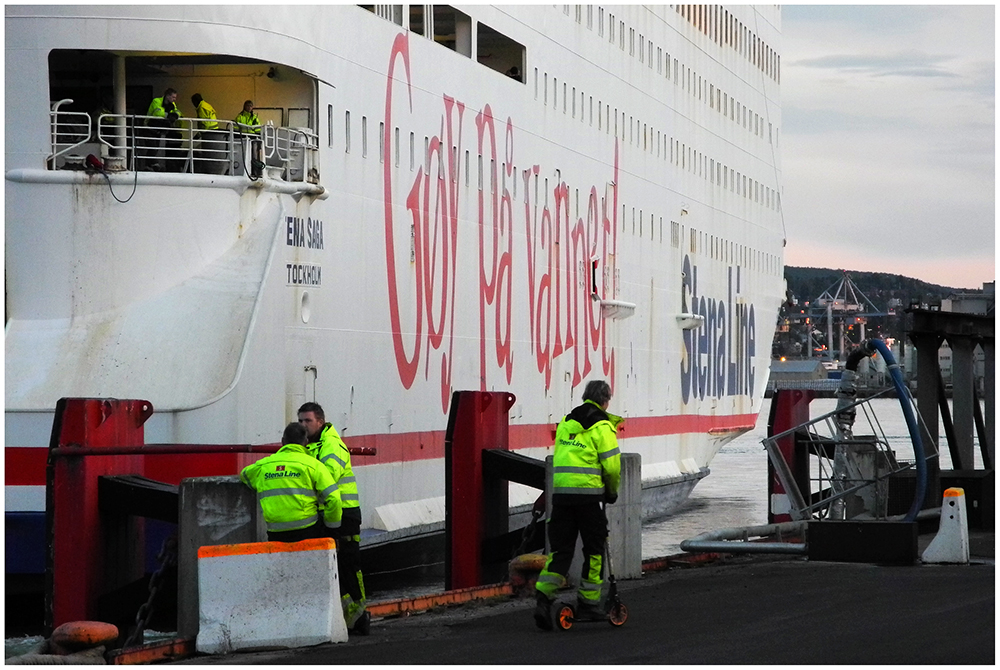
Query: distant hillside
{"points": [[880, 287]]}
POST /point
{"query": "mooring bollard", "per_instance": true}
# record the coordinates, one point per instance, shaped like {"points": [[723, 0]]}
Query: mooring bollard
{"points": [[951, 544]]}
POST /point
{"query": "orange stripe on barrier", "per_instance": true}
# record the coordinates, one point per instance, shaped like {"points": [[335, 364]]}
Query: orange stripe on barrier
{"points": [[954, 493], [220, 550], [422, 603], [171, 650]]}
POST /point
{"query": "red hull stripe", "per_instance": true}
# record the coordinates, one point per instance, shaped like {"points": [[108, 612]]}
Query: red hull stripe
{"points": [[25, 466]]}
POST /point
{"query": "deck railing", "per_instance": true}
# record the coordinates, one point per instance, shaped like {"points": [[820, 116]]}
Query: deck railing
{"points": [[152, 144]]}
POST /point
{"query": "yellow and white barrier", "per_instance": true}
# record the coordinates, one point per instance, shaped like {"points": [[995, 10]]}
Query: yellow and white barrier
{"points": [[269, 594], [951, 544]]}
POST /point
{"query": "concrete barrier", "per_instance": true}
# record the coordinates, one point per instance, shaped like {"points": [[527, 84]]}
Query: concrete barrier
{"points": [[951, 544], [213, 511], [269, 594]]}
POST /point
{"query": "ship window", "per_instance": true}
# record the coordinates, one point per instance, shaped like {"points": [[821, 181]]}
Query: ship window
{"points": [[364, 137], [579, 13], [590, 17], [381, 141], [396, 151], [649, 61], [452, 29], [564, 97], [640, 222], [480, 180], [347, 132], [555, 93], [611, 28], [694, 241], [642, 42], [546, 92], [574, 102], [675, 234], [427, 155], [417, 19], [466, 167], [499, 52], [329, 125], [412, 157], [600, 21], [591, 109], [621, 35]]}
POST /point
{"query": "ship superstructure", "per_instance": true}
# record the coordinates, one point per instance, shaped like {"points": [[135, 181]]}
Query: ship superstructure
{"points": [[439, 198]]}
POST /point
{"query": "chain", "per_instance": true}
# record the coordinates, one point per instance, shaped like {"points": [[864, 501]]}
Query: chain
{"points": [[166, 558], [530, 530]]}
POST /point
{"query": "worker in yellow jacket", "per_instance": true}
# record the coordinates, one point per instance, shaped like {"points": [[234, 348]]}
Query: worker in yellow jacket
{"points": [[289, 485], [325, 444], [586, 473]]}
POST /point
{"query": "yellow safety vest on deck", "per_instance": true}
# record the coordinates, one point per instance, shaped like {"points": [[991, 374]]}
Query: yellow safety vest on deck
{"points": [[289, 485], [206, 111]]}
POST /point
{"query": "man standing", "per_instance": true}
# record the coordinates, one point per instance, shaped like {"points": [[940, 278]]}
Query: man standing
{"points": [[586, 472], [247, 121], [325, 444], [211, 150], [167, 112], [289, 485]]}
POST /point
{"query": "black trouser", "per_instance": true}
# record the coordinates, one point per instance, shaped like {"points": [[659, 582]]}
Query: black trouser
{"points": [[312, 532], [349, 553], [567, 521]]}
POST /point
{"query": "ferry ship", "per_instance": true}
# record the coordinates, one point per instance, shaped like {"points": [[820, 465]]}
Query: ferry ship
{"points": [[434, 198]]}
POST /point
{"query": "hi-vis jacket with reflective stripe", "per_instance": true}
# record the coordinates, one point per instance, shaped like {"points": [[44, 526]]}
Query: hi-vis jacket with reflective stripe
{"points": [[289, 486], [332, 452], [587, 459]]}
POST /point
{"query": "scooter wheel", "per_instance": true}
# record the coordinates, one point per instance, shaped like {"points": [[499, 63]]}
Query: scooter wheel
{"points": [[563, 616], [618, 614]]}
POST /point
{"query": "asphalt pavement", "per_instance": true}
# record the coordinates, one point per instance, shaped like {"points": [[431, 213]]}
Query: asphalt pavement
{"points": [[740, 610]]}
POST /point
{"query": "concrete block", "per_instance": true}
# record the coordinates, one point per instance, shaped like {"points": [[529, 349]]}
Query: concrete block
{"points": [[213, 511], [951, 544], [269, 594], [409, 514]]}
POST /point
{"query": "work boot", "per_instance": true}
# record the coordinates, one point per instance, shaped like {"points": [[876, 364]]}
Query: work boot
{"points": [[363, 626], [543, 611], [588, 609]]}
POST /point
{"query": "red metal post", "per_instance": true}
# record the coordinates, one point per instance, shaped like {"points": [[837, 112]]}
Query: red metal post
{"points": [[789, 408], [477, 421], [76, 569]]}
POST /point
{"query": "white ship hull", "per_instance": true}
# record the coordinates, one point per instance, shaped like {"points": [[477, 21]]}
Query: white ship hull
{"points": [[452, 228]]}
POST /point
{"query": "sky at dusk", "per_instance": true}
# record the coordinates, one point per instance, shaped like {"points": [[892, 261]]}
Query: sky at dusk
{"points": [[888, 148]]}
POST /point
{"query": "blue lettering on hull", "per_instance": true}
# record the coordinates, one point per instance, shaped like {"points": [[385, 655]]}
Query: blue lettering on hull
{"points": [[718, 357]]}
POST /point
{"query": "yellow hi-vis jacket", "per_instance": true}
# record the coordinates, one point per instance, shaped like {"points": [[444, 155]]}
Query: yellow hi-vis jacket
{"points": [[587, 460], [289, 486], [206, 111], [331, 451]]}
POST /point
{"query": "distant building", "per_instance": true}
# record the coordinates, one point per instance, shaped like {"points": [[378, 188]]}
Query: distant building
{"points": [[973, 302]]}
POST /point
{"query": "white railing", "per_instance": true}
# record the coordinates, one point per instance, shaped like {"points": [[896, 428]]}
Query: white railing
{"points": [[151, 144], [69, 130]]}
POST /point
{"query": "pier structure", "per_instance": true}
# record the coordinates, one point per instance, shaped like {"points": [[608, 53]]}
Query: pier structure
{"points": [[964, 332]]}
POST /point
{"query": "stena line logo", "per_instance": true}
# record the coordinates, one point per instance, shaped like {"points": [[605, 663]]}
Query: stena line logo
{"points": [[718, 357]]}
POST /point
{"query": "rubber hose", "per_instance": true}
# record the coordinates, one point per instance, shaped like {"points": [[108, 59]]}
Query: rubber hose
{"points": [[911, 423]]}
